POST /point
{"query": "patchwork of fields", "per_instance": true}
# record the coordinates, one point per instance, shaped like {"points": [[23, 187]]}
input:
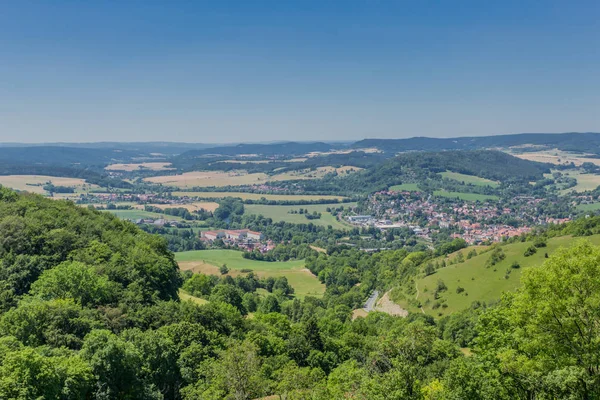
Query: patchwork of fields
{"points": [[282, 213], [152, 166], [35, 183], [209, 261]]}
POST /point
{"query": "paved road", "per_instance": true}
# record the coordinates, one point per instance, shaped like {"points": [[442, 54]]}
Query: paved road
{"points": [[370, 304]]}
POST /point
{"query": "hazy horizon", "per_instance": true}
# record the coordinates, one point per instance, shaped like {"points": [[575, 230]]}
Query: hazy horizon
{"points": [[265, 71]]}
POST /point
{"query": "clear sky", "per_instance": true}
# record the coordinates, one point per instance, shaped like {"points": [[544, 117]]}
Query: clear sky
{"points": [[229, 71]]}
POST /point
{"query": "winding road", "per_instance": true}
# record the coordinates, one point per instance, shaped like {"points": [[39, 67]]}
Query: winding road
{"points": [[370, 304]]}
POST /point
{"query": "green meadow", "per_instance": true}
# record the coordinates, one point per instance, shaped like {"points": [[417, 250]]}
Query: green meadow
{"points": [[141, 214], [465, 196], [474, 180], [208, 261], [282, 213], [405, 187]]}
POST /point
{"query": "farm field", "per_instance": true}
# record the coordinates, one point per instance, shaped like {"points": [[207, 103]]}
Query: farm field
{"points": [[35, 183], [241, 177], [209, 261], [556, 157], [209, 178], [281, 213], [140, 214], [206, 205], [465, 196], [584, 181], [474, 180], [258, 196], [152, 166], [405, 187], [482, 283]]}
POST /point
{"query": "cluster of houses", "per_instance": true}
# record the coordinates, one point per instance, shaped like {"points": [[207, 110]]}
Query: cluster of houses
{"points": [[242, 238]]}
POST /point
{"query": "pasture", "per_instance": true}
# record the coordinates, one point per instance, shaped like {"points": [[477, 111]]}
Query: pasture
{"points": [[282, 213], [405, 187], [195, 206], [469, 179], [589, 207], [150, 166], [209, 261], [465, 196], [481, 283], [257, 196]]}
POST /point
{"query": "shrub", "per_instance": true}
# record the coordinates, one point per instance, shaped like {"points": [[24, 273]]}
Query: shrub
{"points": [[531, 250]]}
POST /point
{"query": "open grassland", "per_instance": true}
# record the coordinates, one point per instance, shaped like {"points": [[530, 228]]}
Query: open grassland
{"points": [[35, 183], [209, 261], [141, 214], [474, 180], [282, 213], [258, 196], [465, 196], [481, 283], [584, 181], [316, 173], [185, 296], [557, 157], [405, 187], [152, 166]]}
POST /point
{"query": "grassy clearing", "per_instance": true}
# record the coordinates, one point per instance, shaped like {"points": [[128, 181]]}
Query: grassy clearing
{"points": [[198, 205], [183, 295], [474, 180], [141, 214], [281, 213], [465, 196], [258, 196], [209, 261], [405, 187], [481, 283], [316, 173], [152, 166]]}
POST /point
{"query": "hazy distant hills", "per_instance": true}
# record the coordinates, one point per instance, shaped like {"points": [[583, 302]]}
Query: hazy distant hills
{"points": [[587, 142]]}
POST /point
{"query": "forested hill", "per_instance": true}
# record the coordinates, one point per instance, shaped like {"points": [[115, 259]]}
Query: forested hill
{"points": [[266, 149], [586, 142], [420, 166]]}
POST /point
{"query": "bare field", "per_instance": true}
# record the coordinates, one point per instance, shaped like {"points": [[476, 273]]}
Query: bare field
{"points": [[35, 183], [258, 196], [557, 157], [152, 166]]}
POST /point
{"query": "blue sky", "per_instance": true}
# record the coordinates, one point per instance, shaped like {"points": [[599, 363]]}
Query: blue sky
{"points": [[230, 71]]}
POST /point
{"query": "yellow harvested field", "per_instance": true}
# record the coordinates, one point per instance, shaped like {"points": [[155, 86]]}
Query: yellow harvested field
{"points": [[152, 166], [35, 183], [257, 196], [241, 177], [206, 205], [209, 178], [557, 157]]}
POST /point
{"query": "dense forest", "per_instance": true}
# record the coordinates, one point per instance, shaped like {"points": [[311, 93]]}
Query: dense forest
{"points": [[89, 309]]}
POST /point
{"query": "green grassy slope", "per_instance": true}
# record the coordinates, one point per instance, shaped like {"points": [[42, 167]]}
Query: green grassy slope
{"points": [[483, 283], [475, 180]]}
